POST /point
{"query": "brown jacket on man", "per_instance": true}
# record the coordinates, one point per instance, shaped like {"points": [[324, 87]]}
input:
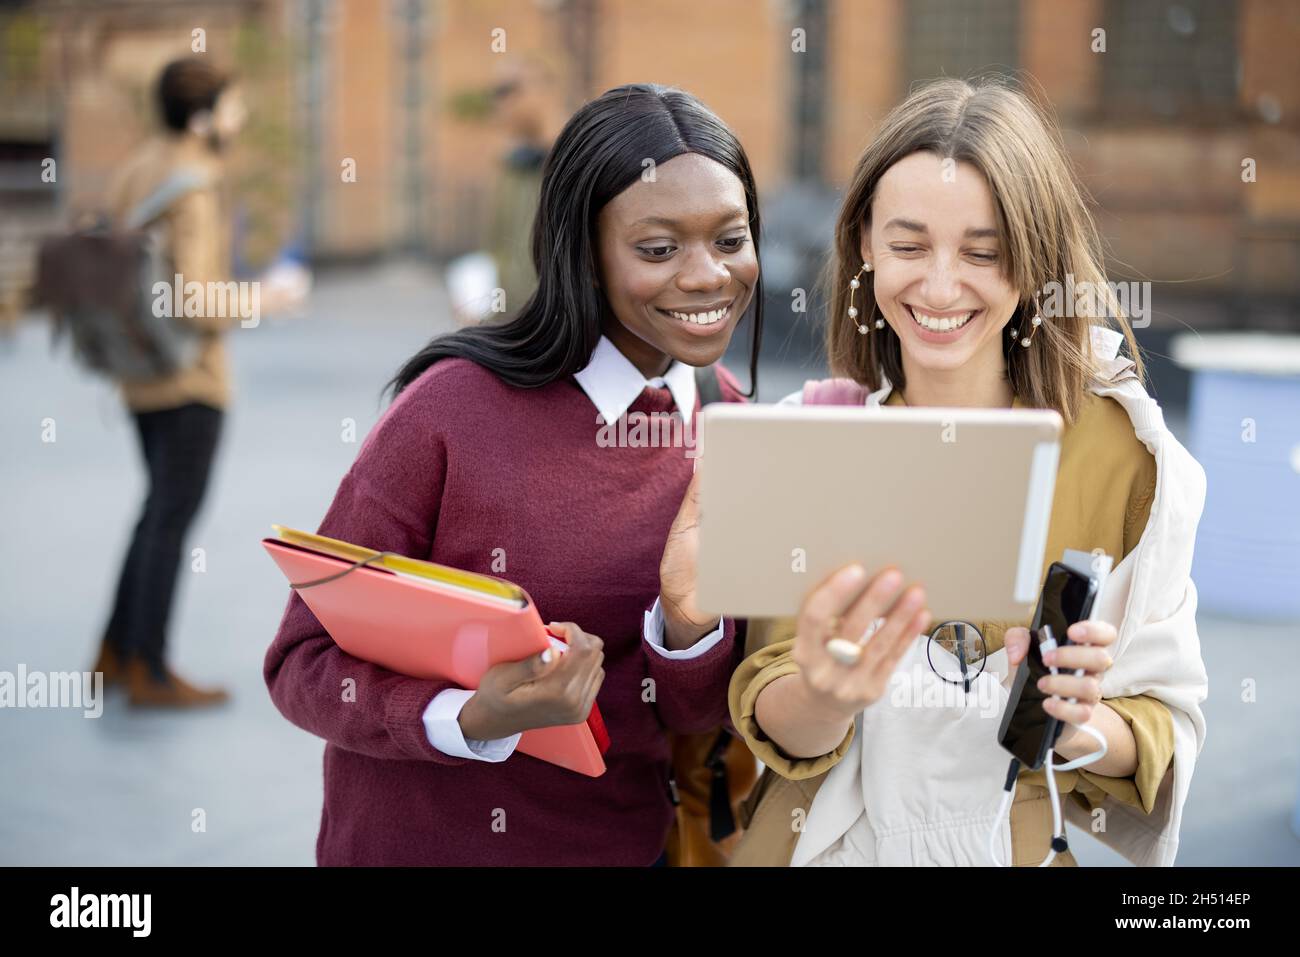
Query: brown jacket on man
{"points": [[197, 240]]}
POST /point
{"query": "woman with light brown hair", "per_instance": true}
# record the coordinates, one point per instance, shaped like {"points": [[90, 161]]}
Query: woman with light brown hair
{"points": [[963, 222]]}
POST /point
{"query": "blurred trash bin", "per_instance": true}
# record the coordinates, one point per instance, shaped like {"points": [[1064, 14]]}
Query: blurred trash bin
{"points": [[1244, 425]]}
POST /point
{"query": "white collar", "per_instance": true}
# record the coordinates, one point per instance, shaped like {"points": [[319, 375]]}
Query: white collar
{"points": [[613, 383]]}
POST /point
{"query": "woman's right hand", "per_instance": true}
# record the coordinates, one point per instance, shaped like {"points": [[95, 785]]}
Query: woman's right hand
{"points": [[684, 623], [541, 691], [845, 606]]}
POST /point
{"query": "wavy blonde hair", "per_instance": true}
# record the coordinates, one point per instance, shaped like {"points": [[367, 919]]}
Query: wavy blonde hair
{"points": [[1044, 225]]}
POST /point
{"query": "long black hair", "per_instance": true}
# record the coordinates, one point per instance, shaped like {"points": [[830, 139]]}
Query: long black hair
{"points": [[600, 152]]}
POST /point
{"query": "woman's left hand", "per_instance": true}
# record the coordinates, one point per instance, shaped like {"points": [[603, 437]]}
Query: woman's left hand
{"points": [[1088, 651]]}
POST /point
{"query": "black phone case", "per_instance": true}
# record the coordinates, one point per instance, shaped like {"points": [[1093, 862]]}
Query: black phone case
{"points": [[1054, 727]]}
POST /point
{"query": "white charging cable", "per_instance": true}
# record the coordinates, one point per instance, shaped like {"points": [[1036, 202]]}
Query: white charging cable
{"points": [[1058, 826]]}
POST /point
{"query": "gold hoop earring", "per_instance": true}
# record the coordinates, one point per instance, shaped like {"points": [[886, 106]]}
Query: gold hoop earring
{"points": [[854, 285]]}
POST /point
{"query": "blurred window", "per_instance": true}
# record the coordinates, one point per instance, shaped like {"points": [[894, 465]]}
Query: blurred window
{"points": [[959, 38], [1170, 59]]}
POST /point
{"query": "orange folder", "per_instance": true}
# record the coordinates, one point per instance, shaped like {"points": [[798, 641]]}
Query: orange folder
{"points": [[431, 621]]}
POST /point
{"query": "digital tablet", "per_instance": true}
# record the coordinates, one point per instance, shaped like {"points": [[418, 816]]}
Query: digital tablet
{"points": [[958, 499]]}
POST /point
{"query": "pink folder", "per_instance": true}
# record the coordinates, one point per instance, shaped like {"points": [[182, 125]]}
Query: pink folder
{"points": [[418, 629]]}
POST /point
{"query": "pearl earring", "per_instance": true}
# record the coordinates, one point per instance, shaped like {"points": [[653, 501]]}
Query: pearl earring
{"points": [[1034, 324], [854, 285]]}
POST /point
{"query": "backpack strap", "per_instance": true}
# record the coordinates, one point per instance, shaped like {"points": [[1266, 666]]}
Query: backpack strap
{"points": [[834, 392], [171, 189], [722, 819]]}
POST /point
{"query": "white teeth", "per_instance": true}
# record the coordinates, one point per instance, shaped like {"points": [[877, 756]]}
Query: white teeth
{"points": [[940, 323], [702, 318]]}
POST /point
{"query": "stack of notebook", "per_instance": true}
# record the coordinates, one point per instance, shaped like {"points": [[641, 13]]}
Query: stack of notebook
{"points": [[430, 621]]}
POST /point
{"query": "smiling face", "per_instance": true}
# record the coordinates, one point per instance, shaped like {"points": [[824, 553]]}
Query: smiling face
{"points": [[677, 264], [938, 267]]}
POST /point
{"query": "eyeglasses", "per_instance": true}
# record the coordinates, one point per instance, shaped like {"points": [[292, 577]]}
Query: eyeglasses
{"points": [[962, 652]]}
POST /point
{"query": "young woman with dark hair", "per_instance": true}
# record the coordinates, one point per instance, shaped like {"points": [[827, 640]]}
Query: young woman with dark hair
{"points": [[492, 458]]}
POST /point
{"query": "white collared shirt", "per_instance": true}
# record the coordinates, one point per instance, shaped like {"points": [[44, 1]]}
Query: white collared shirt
{"points": [[612, 383]]}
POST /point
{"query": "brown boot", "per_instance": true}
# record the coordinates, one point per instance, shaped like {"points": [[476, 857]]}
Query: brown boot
{"points": [[146, 690], [110, 664]]}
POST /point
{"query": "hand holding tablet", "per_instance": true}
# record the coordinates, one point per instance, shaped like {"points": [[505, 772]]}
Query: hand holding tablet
{"points": [[846, 608]]}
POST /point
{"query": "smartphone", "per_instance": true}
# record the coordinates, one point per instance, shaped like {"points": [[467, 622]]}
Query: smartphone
{"points": [[1027, 731]]}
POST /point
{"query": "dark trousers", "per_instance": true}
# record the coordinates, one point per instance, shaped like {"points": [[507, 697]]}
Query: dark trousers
{"points": [[178, 446]]}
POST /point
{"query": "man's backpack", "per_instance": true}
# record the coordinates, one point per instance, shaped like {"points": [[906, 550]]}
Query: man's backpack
{"points": [[99, 285]]}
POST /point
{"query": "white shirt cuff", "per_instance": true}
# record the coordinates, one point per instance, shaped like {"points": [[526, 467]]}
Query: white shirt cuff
{"points": [[442, 728], [654, 634]]}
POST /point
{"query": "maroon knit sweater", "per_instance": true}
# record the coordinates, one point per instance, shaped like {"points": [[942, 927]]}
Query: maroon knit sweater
{"points": [[461, 465]]}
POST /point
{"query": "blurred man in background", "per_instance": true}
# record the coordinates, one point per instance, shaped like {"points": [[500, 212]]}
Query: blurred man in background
{"points": [[178, 417]]}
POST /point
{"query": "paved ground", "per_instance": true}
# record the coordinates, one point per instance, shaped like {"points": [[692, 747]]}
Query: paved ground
{"points": [[124, 789]]}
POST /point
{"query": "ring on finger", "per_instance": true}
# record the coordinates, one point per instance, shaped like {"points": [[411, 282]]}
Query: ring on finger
{"points": [[841, 650], [849, 653]]}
